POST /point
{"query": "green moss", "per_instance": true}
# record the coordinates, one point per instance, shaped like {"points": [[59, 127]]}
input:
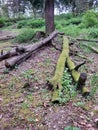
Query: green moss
{"points": [[75, 75], [56, 81], [70, 64]]}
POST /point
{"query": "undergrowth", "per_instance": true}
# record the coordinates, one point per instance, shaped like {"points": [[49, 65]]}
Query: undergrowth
{"points": [[69, 90], [25, 36]]}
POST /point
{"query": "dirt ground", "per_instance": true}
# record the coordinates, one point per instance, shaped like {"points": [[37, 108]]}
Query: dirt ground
{"points": [[30, 108]]}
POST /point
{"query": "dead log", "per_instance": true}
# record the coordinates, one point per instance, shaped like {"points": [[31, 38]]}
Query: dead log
{"points": [[56, 81], [87, 40], [10, 63], [8, 55], [79, 78]]}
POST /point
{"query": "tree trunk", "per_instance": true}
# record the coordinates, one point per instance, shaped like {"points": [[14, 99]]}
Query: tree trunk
{"points": [[49, 16]]}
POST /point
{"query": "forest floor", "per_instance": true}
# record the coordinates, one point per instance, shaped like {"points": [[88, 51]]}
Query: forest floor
{"points": [[30, 108]]}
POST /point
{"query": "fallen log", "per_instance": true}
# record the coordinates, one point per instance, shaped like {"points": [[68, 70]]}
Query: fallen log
{"points": [[79, 78], [56, 81], [8, 55], [10, 63]]}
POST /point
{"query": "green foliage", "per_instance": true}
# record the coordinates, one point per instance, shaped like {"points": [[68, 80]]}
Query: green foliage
{"points": [[1, 22], [94, 84], [22, 24], [64, 16], [31, 23], [28, 74], [76, 20], [25, 36], [68, 92], [71, 128], [90, 18], [71, 30], [36, 23], [93, 33]]}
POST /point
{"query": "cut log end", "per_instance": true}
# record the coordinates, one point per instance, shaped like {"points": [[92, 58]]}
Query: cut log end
{"points": [[85, 92]]}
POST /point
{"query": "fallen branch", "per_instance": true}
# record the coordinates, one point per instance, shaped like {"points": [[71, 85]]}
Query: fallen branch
{"points": [[87, 40], [8, 55], [91, 48]]}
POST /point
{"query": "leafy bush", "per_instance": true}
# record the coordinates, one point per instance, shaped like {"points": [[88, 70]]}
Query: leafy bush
{"points": [[64, 16], [68, 92], [25, 36], [93, 33], [76, 20], [1, 22], [36, 23], [71, 30], [31, 23], [22, 24], [90, 18]]}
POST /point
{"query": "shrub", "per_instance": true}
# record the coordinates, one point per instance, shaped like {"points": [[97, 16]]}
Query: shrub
{"points": [[71, 30], [36, 23], [22, 24], [64, 16], [25, 36], [76, 20], [93, 33], [90, 18]]}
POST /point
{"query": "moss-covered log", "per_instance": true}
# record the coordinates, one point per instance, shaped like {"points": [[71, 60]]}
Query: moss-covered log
{"points": [[78, 77], [56, 81]]}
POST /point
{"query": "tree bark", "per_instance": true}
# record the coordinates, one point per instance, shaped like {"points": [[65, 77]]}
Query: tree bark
{"points": [[49, 16], [8, 55]]}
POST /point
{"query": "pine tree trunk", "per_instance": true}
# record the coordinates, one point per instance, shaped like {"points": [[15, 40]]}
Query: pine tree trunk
{"points": [[49, 16]]}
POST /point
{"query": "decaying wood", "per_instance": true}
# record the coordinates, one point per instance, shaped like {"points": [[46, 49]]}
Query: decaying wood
{"points": [[10, 63], [8, 55], [79, 78], [56, 81], [28, 50]]}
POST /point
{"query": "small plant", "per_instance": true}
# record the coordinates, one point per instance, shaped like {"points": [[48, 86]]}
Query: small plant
{"points": [[6, 71], [68, 93], [94, 84], [28, 75], [25, 36], [71, 128], [22, 24]]}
